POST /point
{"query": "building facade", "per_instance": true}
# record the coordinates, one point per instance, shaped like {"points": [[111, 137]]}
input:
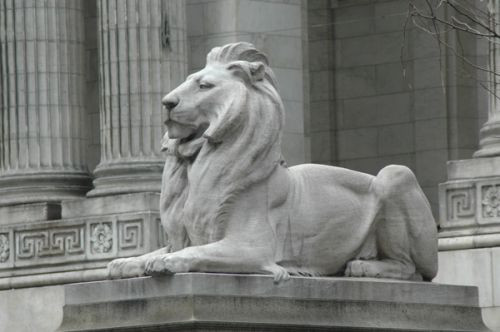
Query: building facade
{"points": [[80, 124]]}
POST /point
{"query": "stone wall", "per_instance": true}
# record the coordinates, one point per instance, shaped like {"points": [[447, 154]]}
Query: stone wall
{"points": [[419, 119], [275, 27]]}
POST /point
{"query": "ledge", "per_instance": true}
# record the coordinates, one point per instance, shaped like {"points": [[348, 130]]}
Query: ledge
{"points": [[216, 302]]}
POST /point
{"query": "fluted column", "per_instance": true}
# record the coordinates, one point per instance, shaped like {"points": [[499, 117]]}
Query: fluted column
{"points": [[142, 53], [42, 115], [490, 132]]}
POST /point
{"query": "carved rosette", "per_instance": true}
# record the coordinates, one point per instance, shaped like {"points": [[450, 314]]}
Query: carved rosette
{"points": [[491, 202], [4, 248], [102, 238]]}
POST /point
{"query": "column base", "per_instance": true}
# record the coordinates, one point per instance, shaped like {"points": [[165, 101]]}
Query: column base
{"points": [[489, 140], [22, 188], [126, 178]]}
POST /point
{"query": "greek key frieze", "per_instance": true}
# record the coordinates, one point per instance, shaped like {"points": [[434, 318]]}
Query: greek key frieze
{"points": [[461, 203], [59, 243], [130, 234], [52, 242]]}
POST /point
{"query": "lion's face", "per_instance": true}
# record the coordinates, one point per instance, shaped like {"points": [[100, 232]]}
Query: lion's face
{"points": [[191, 108]]}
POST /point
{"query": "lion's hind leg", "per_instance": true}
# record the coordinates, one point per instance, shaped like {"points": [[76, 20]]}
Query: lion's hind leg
{"points": [[404, 216]]}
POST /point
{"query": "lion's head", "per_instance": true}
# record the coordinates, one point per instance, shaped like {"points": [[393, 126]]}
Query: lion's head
{"points": [[224, 128]]}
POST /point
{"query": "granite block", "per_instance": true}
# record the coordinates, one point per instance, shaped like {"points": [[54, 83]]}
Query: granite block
{"points": [[221, 302]]}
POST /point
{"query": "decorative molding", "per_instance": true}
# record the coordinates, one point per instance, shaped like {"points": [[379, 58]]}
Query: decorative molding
{"points": [[461, 203], [4, 247], [101, 238], [63, 241], [130, 234], [58, 245], [469, 204], [490, 200]]}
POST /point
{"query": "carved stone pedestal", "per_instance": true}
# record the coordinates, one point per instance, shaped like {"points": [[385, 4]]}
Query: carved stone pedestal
{"points": [[218, 302], [470, 204], [469, 237]]}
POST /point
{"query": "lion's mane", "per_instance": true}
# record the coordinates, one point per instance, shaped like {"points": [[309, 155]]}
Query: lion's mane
{"points": [[240, 149]]}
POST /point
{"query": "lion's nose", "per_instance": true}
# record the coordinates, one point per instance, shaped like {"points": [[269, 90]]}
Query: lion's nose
{"points": [[170, 101]]}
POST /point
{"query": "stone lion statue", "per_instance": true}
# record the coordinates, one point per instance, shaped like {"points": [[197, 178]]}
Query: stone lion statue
{"points": [[229, 203]]}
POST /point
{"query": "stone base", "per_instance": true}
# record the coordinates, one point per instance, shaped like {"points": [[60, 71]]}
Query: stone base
{"points": [[221, 302], [127, 177], [475, 267], [40, 186]]}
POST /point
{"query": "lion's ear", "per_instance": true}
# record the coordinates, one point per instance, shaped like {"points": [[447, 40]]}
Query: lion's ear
{"points": [[258, 70], [249, 71]]}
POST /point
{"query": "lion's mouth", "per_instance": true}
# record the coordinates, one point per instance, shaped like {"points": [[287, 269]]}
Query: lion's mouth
{"points": [[194, 136]]}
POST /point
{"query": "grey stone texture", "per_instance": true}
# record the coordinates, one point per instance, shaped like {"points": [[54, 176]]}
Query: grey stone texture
{"points": [[346, 99], [42, 120], [31, 309], [278, 29], [78, 246], [388, 111], [478, 267], [469, 209], [142, 53], [216, 302], [229, 203], [489, 135]]}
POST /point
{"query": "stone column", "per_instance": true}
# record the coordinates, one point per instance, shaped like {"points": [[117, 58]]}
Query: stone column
{"points": [[490, 132], [42, 82], [142, 53]]}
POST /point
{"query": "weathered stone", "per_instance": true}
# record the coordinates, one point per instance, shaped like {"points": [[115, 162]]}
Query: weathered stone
{"points": [[126, 203], [478, 268], [197, 302], [74, 250], [469, 203], [32, 309], [229, 203], [42, 153], [490, 132], [473, 168], [142, 54], [23, 213]]}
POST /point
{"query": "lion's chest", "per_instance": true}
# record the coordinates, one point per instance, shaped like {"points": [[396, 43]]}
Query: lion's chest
{"points": [[200, 221]]}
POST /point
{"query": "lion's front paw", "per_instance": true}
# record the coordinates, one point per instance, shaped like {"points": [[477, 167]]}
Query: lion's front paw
{"points": [[126, 268], [279, 273], [167, 264]]}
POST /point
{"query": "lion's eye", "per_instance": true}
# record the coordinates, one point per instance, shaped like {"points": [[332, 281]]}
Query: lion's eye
{"points": [[205, 85]]}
